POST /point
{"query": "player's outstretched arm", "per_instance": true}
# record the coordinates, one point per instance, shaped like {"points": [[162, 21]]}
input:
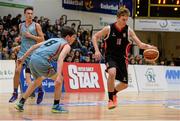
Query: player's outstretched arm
{"points": [[140, 44], [28, 52], [96, 37], [66, 49]]}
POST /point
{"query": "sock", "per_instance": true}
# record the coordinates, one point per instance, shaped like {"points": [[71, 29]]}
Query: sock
{"points": [[15, 90], [22, 100], [56, 102], [115, 91], [110, 94]]}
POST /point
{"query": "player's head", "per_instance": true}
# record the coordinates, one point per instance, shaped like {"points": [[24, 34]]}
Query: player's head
{"points": [[68, 34], [28, 12], [122, 15]]}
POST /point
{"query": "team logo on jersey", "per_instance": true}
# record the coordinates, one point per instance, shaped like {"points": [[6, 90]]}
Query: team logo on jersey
{"points": [[124, 79], [113, 34], [124, 35]]}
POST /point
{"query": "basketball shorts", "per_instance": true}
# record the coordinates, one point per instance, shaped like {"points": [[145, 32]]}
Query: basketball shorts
{"points": [[121, 69], [40, 67]]}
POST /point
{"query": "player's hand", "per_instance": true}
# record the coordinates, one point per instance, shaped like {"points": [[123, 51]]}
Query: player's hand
{"points": [[16, 49], [27, 34], [152, 47], [20, 60], [97, 55]]}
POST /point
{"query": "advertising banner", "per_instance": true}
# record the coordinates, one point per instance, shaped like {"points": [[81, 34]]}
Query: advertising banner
{"points": [[7, 68], [157, 25], [16, 3], [150, 78], [172, 76], [48, 84], [83, 77], [100, 6], [132, 82]]}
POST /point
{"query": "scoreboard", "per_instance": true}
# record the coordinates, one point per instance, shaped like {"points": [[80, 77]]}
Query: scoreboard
{"points": [[157, 8]]}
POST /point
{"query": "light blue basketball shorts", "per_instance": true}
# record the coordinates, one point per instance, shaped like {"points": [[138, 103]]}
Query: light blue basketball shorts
{"points": [[40, 67]]}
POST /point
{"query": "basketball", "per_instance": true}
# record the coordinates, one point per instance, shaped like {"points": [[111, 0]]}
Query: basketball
{"points": [[151, 54]]}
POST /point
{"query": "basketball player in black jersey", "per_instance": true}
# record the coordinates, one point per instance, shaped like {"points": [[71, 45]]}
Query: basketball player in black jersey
{"points": [[116, 44]]}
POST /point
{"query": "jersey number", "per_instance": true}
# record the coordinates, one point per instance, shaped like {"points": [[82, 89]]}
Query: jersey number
{"points": [[50, 43], [118, 42]]}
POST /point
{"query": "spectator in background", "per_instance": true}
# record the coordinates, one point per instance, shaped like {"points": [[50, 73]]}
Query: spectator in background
{"points": [[140, 62], [8, 22], [88, 58], [76, 60], [13, 56], [172, 63], [137, 58], [132, 61], [68, 59], [76, 56], [50, 33], [162, 62], [73, 26], [35, 19], [4, 36], [1, 51], [17, 20], [61, 21]]}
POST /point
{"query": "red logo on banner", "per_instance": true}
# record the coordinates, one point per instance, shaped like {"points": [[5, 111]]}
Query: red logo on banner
{"points": [[82, 77]]}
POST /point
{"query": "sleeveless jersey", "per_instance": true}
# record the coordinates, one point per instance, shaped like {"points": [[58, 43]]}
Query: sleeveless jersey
{"points": [[50, 49], [26, 43], [116, 43]]}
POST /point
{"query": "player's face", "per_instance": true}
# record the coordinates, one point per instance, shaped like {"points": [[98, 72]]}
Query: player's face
{"points": [[122, 20], [72, 38], [29, 14]]}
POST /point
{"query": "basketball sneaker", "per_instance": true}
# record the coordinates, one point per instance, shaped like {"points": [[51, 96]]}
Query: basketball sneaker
{"points": [[19, 106], [14, 97], [111, 104], [115, 100], [40, 96], [58, 109]]}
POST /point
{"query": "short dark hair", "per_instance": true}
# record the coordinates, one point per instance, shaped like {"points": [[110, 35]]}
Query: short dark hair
{"points": [[28, 8], [66, 30]]}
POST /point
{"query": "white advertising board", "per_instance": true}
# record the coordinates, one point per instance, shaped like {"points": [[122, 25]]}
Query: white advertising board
{"points": [[172, 77], [150, 78], [7, 68], [157, 25], [132, 83]]}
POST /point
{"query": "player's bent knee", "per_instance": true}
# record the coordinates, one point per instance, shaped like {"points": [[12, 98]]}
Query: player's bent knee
{"points": [[112, 74]]}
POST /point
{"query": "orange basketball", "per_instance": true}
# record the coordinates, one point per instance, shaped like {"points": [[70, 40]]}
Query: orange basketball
{"points": [[151, 54]]}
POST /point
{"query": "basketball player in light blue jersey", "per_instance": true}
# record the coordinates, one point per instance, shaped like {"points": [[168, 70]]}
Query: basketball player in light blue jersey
{"points": [[54, 49], [31, 33]]}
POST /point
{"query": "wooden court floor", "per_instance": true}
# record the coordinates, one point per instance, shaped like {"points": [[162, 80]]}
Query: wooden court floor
{"points": [[93, 106]]}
